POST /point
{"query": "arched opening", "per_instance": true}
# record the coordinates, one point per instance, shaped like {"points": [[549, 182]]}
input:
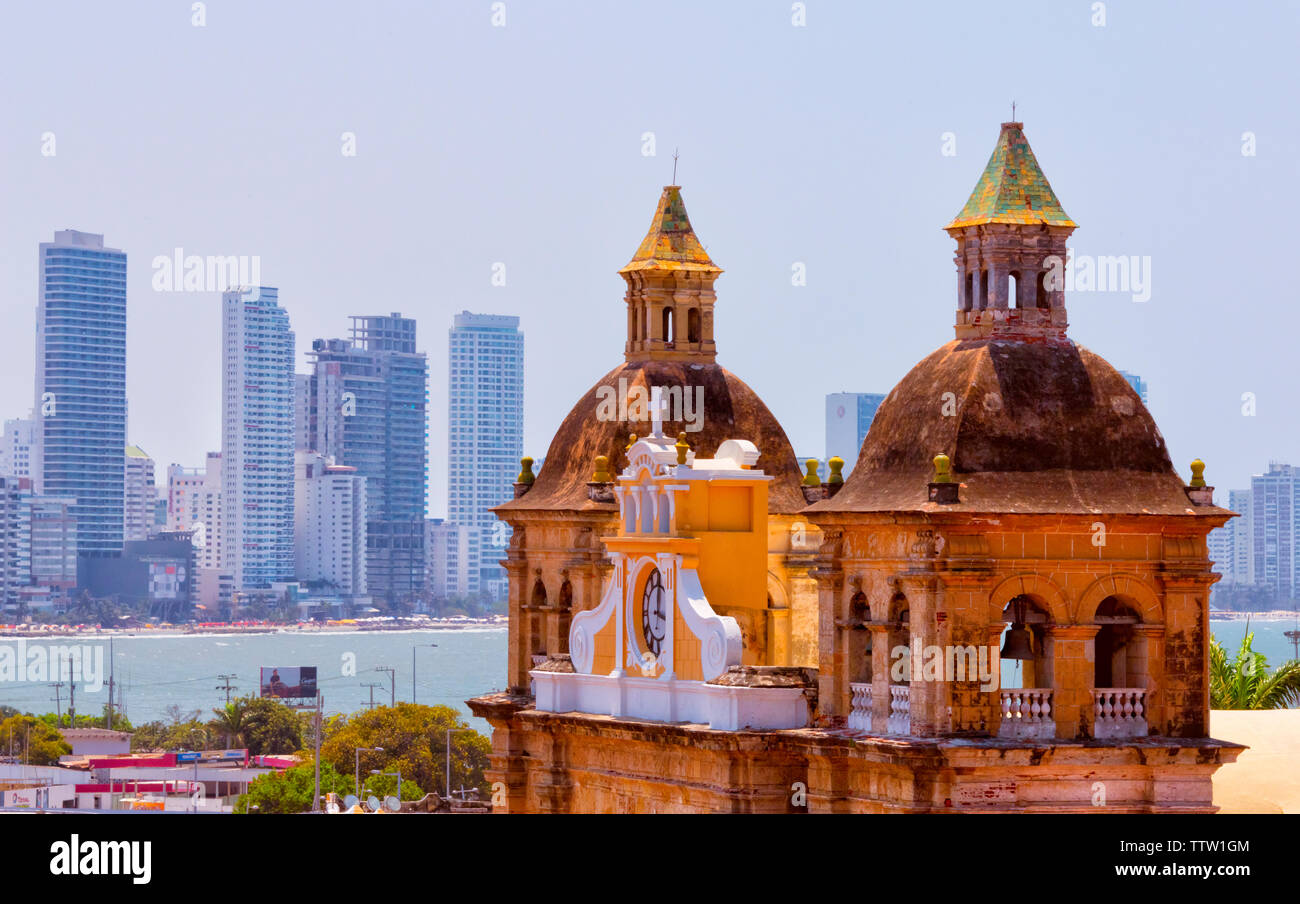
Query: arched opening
{"points": [[968, 296], [537, 620], [668, 325], [900, 629], [693, 325], [1041, 299], [859, 639], [1030, 614], [1119, 660], [565, 614], [1013, 287], [984, 290]]}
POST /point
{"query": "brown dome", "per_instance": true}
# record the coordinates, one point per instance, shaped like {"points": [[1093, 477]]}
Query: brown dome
{"points": [[731, 411], [1030, 426]]}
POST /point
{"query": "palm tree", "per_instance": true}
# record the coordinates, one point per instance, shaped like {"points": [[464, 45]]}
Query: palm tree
{"points": [[1246, 683], [231, 721]]}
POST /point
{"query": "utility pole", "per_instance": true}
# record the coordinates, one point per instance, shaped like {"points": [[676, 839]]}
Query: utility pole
{"points": [[320, 702], [108, 720], [72, 698], [392, 682], [372, 693], [227, 687], [58, 701]]}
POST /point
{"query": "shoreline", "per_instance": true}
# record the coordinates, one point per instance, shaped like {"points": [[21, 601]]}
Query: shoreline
{"points": [[357, 626]]}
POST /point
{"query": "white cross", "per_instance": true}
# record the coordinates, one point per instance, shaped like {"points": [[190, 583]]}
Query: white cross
{"points": [[658, 404]]}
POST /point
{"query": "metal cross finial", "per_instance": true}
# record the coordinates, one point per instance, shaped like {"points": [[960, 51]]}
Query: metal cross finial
{"points": [[1013, 111], [674, 166]]}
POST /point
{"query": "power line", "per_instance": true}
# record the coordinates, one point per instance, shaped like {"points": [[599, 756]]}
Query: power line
{"points": [[227, 686]]}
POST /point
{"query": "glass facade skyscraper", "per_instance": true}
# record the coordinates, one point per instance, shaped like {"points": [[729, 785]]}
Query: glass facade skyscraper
{"points": [[80, 415], [485, 433], [257, 438], [365, 406]]}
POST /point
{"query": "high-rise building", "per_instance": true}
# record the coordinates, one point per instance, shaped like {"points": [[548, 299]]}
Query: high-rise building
{"points": [[1139, 385], [257, 438], [447, 554], [80, 428], [54, 544], [1243, 549], [1275, 510], [140, 494], [364, 406], [16, 448], [848, 418], [194, 505], [15, 539], [485, 432], [329, 523]]}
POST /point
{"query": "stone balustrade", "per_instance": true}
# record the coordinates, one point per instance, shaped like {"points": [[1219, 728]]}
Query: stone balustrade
{"points": [[1120, 712], [860, 712], [1026, 713], [900, 709]]}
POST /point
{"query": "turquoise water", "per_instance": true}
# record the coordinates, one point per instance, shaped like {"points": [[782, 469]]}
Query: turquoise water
{"points": [[160, 670]]}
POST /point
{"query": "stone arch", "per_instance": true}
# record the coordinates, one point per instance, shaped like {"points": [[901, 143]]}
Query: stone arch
{"points": [[1046, 591], [693, 325], [1128, 588], [777, 596]]}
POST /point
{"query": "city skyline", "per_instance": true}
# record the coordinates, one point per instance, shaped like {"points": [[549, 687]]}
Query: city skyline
{"points": [[332, 229]]}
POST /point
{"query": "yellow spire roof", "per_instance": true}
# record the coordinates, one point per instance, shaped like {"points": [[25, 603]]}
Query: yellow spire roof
{"points": [[1012, 188], [671, 243]]}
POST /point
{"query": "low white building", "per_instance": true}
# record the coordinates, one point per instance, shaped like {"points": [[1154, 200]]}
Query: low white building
{"points": [[96, 741]]}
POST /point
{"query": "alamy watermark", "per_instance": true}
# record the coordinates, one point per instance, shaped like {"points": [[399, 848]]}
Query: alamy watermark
{"points": [[676, 404], [35, 661], [181, 272]]}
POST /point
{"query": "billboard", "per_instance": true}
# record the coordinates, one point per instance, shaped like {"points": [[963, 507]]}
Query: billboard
{"points": [[289, 682]]}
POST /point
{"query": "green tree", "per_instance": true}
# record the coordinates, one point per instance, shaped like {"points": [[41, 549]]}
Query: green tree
{"points": [[291, 791], [32, 740], [414, 739], [270, 727], [1245, 681], [230, 722]]}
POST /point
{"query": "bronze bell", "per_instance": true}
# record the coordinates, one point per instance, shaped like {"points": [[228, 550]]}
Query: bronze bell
{"points": [[1019, 643]]}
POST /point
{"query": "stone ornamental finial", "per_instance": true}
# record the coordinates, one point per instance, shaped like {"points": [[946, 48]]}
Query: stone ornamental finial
{"points": [[942, 469], [1198, 474], [631, 441], [682, 447], [811, 479], [602, 473], [526, 475], [837, 468]]}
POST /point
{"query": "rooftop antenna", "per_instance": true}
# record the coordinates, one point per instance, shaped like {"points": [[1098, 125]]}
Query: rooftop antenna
{"points": [[674, 166]]}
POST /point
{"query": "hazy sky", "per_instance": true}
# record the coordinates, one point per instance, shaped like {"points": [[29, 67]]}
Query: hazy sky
{"points": [[523, 144]]}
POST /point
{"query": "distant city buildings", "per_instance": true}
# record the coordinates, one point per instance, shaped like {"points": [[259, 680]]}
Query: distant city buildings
{"points": [[1261, 548], [364, 406], [447, 550], [194, 505], [16, 447], [1139, 385], [140, 494], [38, 546], [485, 423], [80, 417], [257, 439], [329, 524], [848, 418]]}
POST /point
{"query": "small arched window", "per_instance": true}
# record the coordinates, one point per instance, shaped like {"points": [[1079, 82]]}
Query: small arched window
{"points": [[693, 325], [668, 325], [1013, 289]]}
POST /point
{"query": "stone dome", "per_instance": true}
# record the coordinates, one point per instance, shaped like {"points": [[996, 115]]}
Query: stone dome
{"points": [[731, 411], [1030, 426]]}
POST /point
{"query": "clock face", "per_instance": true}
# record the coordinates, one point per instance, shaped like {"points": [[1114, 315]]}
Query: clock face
{"points": [[654, 617]]}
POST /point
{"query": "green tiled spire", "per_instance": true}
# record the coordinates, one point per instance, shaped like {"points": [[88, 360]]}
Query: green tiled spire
{"points": [[1012, 188], [671, 243]]}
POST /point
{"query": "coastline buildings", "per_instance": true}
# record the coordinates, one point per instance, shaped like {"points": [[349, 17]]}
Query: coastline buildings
{"points": [[485, 427], [194, 506], [16, 447], [140, 495], [80, 413], [1261, 549], [329, 524], [38, 546], [256, 438], [364, 406], [448, 560], [848, 418]]}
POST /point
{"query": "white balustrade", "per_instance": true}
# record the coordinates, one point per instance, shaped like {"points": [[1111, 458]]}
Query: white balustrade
{"points": [[538, 659], [860, 713], [1120, 712], [1026, 713], [900, 709]]}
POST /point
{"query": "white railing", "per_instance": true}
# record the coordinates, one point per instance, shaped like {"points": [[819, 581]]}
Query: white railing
{"points": [[860, 713], [900, 709], [1120, 712], [538, 659], [1026, 713]]}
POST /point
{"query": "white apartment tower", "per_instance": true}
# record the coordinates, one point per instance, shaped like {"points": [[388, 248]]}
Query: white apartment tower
{"points": [[257, 438], [16, 448], [329, 523], [485, 432], [140, 495]]}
